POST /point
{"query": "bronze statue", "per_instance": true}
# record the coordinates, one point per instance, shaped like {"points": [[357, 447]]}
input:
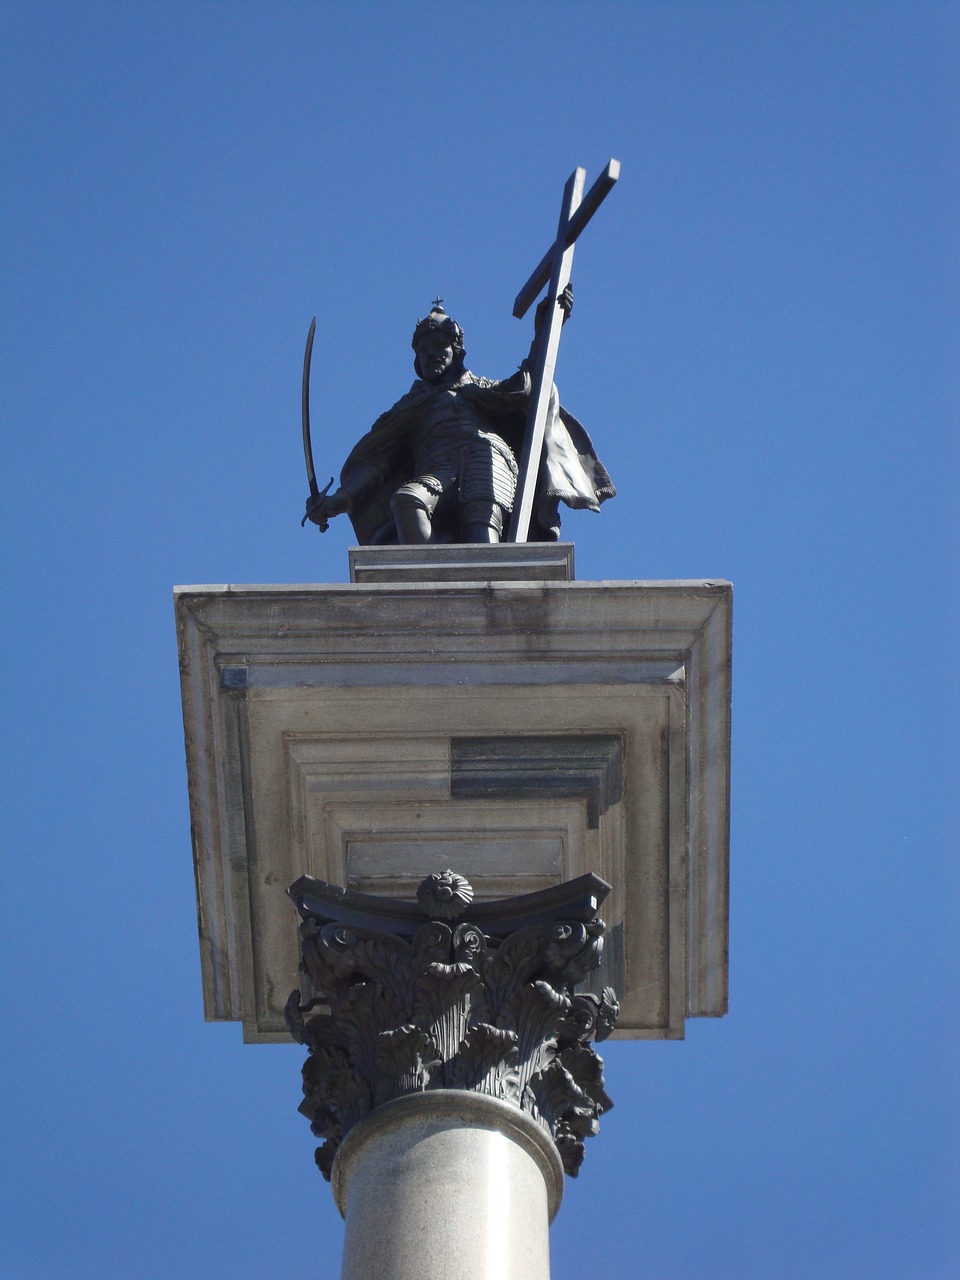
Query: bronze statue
{"points": [[467, 459], [442, 464]]}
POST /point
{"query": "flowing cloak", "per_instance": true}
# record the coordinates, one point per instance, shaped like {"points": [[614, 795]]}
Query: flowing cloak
{"points": [[382, 460]]}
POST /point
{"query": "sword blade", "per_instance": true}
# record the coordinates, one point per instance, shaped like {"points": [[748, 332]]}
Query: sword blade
{"points": [[305, 412]]}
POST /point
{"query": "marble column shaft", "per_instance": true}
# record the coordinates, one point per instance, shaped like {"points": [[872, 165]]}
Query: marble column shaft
{"points": [[447, 1184]]}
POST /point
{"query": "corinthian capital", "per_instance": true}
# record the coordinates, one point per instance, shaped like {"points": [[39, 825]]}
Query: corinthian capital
{"points": [[477, 996]]}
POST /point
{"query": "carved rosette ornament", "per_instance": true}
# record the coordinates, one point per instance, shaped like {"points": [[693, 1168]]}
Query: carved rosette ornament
{"points": [[391, 1005]]}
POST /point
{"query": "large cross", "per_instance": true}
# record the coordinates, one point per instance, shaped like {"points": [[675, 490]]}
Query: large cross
{"points": [[555, 266]]}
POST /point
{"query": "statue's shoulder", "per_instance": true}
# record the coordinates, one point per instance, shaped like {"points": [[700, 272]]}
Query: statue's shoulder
{"points": [[516, 382], [417, 394], [470, 379]]}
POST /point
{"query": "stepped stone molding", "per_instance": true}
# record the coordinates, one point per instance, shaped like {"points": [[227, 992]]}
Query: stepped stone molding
{"points": [[524, 731], [399, 998]]}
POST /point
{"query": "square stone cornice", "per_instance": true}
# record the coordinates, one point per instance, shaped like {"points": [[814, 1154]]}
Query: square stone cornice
{"points": [[531, 731]]}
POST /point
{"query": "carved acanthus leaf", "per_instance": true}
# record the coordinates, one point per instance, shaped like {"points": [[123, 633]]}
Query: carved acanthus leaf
{"points": [[405, 1060], [535, 1011], [487, 1063], [444, 998]]}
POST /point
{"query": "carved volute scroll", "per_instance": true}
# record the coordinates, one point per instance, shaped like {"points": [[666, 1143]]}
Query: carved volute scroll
{"points": [[391, 1005]]}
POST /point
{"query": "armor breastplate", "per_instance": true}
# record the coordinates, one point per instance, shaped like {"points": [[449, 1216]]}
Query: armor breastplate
{"points": [[454, 446], [448, 419]]}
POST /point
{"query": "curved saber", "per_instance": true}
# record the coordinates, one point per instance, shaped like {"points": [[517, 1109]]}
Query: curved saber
{"points": [[315, 492], [305, 411]]}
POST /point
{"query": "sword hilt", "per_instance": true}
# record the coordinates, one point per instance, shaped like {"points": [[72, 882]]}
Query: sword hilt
{"points": [[316, 497]]}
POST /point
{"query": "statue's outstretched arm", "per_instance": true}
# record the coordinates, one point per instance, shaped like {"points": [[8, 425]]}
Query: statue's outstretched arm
{"points": [[357, 484], [324, 506]]}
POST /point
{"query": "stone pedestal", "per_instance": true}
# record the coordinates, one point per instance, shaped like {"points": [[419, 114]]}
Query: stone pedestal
{"points": [[447, 1184], [471, 707]]}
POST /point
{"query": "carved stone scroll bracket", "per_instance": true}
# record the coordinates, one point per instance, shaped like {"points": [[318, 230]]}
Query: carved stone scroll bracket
{"points": [[479, 996]]}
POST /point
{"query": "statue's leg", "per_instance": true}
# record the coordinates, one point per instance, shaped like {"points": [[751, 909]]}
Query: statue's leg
{"points": [[488, 481], [480, 533], [411, 518], [422, 506], [481, 521]]}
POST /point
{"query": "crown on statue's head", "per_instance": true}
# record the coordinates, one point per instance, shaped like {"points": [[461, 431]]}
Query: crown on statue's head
{"points": [[438, 319]]}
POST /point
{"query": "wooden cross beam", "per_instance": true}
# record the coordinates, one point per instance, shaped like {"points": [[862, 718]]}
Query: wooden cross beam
{"points": [[555, 267]]}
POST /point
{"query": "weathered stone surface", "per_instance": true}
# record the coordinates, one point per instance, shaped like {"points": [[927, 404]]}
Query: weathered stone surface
{"points": [[523, 732]]}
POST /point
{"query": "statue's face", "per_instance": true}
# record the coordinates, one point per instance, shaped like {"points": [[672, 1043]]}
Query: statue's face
{"points": [[436, 355]]}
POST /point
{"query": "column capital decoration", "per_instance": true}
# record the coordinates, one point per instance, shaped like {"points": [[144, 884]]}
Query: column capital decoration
{"points": [[480, 996]]}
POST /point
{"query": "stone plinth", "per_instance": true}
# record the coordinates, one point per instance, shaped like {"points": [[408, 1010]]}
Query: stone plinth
{"points": [[469, 562], [526, 731]]}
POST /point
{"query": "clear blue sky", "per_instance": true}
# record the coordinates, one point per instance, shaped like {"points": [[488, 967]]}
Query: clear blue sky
{"points": [[763, 349]]}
